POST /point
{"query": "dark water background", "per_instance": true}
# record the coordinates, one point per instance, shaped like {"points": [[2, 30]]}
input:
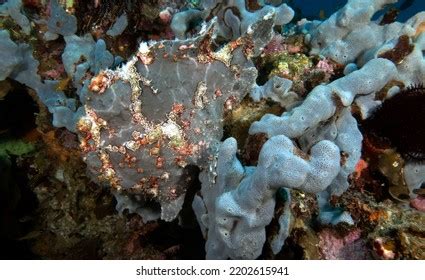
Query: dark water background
{"points": [[311, 8]]}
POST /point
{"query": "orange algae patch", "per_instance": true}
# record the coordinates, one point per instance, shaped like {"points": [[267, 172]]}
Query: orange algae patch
{"points": [[360, 166], [420, 29]]}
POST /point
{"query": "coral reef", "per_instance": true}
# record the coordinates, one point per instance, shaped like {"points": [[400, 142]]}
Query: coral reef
{"points": [[131, 138], [233, 17]]}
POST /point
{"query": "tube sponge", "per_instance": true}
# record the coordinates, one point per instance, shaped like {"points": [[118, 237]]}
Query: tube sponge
{"points": [[236, 220], [369, 79], [233, 19]]}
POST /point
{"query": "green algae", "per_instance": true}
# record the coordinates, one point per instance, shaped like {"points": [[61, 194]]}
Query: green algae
{"points": [[16, 147]]}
